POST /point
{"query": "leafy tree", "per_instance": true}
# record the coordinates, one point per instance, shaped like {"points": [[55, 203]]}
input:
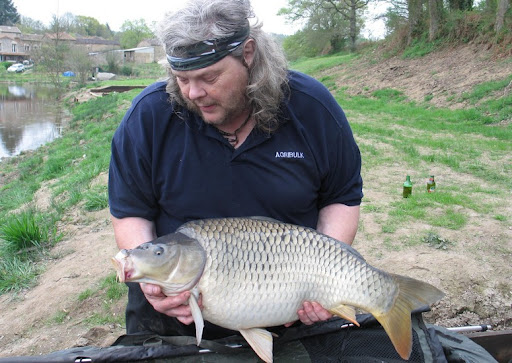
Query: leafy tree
{"points": [[30, 26], [133, 32], [323, 33], [80, 63], [318, 12], [87, 25], [51, 55], [8, 13]]}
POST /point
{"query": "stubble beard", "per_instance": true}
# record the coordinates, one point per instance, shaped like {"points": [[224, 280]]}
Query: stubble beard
{"points": [[234, 108]]}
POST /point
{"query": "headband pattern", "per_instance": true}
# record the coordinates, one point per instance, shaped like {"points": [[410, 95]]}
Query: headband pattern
{"points": [[206, 52]]}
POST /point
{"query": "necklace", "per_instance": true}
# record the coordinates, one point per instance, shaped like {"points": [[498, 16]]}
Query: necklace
{"points": [[232, 137]]}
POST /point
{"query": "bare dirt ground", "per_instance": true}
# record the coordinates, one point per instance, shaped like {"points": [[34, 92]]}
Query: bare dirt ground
{"points": [[475, 273]]}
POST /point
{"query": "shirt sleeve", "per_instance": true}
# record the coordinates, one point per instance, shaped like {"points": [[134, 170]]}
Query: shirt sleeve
{"points": [[341, 177], [343, 182], [130, 177]]}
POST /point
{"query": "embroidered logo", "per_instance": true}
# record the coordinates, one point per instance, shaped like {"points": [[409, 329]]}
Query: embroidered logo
{"points": [[290, 154]]}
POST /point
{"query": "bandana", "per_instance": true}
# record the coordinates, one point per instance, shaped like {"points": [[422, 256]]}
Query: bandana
{"points": [[206, 52]]}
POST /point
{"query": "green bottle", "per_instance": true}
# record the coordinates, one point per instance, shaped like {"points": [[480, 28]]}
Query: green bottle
{"points": [[407, 187], [431, 185]]}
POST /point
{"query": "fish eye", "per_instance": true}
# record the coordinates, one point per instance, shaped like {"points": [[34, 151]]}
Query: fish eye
{"points": [[159, 251]]}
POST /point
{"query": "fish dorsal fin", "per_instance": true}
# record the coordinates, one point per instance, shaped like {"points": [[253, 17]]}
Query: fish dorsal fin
{"points": [[346, 312], [196, 314], [261, 341]]}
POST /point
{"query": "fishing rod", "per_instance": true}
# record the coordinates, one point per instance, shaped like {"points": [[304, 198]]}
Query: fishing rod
{"points": [[470, 328]]}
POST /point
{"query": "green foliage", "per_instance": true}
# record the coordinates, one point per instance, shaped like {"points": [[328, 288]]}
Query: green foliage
{"points": [[8, 13], [434, 240], [133, 32], [420, 48]]}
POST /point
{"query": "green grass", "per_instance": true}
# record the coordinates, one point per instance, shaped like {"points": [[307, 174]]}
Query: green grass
{"points": [[26, 233], [111, 291], [16, 274], [314, 65], [390, 129]]}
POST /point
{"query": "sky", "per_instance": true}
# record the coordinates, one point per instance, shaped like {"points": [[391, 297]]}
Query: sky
{"points": [[115, 12]]}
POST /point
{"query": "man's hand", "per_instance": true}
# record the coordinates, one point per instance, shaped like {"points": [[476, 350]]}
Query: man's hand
{"points": [[311, 313], [174, 306]]}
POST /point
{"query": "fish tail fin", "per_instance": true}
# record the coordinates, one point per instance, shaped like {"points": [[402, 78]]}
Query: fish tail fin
{"points": [[413, 294]]}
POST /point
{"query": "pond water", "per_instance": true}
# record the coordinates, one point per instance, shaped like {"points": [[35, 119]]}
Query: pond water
{"points": [[30, 116]]}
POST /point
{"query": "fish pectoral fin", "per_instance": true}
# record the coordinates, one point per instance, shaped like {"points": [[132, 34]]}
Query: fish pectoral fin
{"points": [[261, 342], [197, 315], [346, 312]]}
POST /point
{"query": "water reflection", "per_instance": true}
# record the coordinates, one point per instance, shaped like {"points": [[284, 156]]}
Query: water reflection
{"points": [[29, 117]]}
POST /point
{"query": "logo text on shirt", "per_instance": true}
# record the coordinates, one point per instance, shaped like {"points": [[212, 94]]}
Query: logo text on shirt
{"points": [[290, 154]]}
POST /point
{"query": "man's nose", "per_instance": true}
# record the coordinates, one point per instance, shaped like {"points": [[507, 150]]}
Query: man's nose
{"points": [[196, 90]]}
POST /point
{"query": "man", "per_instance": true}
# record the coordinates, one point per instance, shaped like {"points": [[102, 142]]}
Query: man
{"points": [[231, 133]]}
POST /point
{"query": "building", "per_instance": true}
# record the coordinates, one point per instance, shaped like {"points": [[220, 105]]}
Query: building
{"points": [[12, 47], [17, 47]]}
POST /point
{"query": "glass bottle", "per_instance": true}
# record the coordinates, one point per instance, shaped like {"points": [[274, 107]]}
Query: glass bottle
{"points": [[407, 187], [431, 185]]}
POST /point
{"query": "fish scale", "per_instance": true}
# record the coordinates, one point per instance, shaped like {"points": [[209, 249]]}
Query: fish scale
{"points": [[297, 253], [255, 272]]}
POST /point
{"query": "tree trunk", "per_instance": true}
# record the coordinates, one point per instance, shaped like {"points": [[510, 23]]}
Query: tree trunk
{"points": [[353, 25], [500, 15], [415, 14], [434, 7]]}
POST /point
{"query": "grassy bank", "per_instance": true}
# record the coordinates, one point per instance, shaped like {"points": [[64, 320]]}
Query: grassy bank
{"points": [[468, 150]]}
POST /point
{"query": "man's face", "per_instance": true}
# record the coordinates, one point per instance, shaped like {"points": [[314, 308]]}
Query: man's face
{"points": [[216, 92]]}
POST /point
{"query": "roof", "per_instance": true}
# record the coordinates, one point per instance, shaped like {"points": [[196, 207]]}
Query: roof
{"points": [[95, 40], [32, 37], [9, 29], [154, 42], [60, 36]]}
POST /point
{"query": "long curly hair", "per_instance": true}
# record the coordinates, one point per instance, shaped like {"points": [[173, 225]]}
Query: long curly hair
{"points": [[215, 19]]}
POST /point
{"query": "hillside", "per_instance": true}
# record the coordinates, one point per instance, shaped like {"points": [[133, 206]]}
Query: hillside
{"points": [[474, 274]]}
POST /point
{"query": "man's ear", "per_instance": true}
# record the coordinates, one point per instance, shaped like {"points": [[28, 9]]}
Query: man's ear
{"points": [[249, 52]]}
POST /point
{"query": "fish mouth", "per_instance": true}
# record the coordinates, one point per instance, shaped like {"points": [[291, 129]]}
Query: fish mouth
{"points": [[124, 266]]}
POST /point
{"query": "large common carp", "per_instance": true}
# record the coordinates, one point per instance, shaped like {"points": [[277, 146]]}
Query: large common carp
{"points": [[256, 272]]}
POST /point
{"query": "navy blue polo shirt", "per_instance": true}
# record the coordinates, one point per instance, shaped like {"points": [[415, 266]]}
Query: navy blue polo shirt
{"points": [[168, 166]]}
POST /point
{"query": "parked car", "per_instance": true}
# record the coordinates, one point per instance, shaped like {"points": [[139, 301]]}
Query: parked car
{"points": [[18, 68]]}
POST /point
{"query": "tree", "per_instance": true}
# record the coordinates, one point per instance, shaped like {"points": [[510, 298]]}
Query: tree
{"points": [[500, 15], [30, 26], [133, 32], [8, 13], [87, 25], [346, 9], [435, 8], [51, 55], [79, 62], [416, 17]]}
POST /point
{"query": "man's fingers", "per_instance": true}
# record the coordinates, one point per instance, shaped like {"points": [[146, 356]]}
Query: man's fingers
{"points": [[313, 312]]}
